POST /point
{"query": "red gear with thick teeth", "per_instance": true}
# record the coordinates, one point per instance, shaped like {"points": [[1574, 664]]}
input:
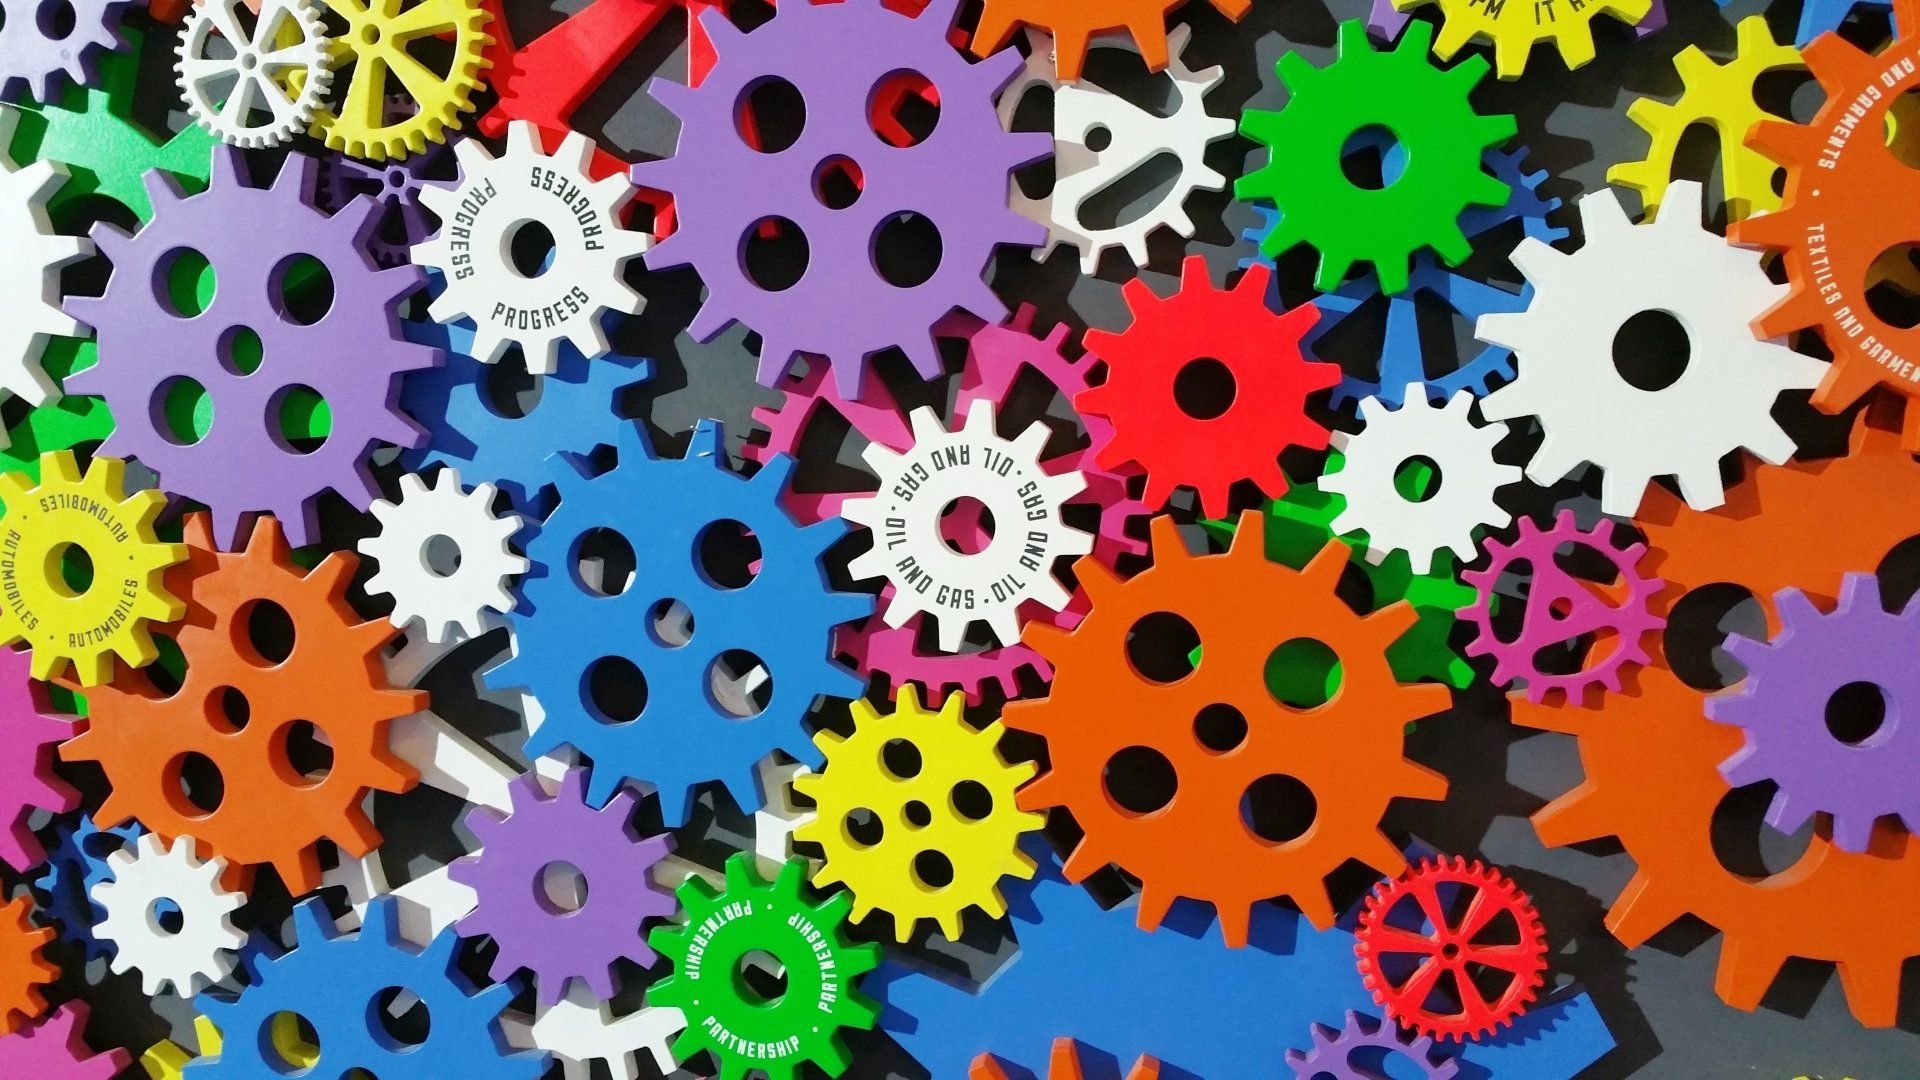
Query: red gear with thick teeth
{"points": [[1075, 23]]}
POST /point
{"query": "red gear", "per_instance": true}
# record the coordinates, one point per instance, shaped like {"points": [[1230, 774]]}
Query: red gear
{"points": [[1271, 380], [1449, 949]]}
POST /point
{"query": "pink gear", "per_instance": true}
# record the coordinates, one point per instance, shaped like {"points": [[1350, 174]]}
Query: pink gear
{"points": [[873, 414], [54, 1048], [27, 782]]}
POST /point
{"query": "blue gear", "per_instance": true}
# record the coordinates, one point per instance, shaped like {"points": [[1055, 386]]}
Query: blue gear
{"points": [[76, 862], [785, 616], [1820, 16], [332, 980]]}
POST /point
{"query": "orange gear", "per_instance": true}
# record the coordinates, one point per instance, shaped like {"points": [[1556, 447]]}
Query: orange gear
{"points": [[238, 708], [1221, 733], [23, 970], [1075, 23], [1062, 1064]]}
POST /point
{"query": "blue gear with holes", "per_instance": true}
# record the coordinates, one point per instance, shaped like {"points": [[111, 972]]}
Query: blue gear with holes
{"points": [[1821, 16], [333, 981], [76, 862], [785, 616]]}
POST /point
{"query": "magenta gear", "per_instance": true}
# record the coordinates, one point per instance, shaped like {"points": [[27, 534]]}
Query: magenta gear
{"points": [[1783, 706], [27, 782], [54, 1048], [401, 221], [251, 238], [554, 943], [1560, 608], [1354, 1053], [32, 61], [837, 56], [872, 414]]}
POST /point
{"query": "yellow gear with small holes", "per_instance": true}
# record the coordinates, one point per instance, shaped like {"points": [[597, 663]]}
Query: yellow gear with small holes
{"points": [[168, 1060], [1720, 96], [359, 122], [63, 523], [924, 812], [1514, 27]]}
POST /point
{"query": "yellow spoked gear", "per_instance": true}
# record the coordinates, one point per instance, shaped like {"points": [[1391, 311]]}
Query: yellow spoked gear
{"points": [[1514, 27], [52, 531], [374, 43], [934, 805], [1720, 96], [168, 1060]]}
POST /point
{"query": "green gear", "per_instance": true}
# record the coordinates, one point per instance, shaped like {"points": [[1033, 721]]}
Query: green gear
{"points": [[62, 424], [1425, 109], [809, 940]]}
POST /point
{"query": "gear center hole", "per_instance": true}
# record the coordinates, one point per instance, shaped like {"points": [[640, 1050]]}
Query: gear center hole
{"points": [[1651, 350], [441, 555], [562, 888], [1204, 389], [1220, 728], [917, 814], [1372, 159], [530, 248], [75, 570], [760, 977], [1099, 137], [1417, 479], [1856, 713], [837, 182], [165, 917], [966, 526]]}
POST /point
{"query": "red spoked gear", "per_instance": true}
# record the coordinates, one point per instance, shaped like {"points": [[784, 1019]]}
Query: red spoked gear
{"points": [[1272, 379], [1075, 23], [248, 706], [1430, 942], [23, 969]]}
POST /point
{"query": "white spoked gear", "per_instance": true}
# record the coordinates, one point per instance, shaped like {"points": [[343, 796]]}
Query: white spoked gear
{"points": [[1012, 566], [580, 1030], [481, 214], [147, 874], [1083, 112], [466, 596], [1564, 346], [30, 276], [265, 89], [1462, 453]]}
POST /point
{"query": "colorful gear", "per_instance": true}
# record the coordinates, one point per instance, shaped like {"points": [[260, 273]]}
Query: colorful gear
{"points": [[578, 1031], [1198, 844], [402, 220], [556, 943], [1818, 17], [76, 863], [1074, 25], [374, 50], [723, 186], [1428, 112], [1514, 29], [245, 714], [918, 810], [1063, 1064], [1261, 354], [148, 875], [66, 423], [27, 780], [442, 599], [23, 970], [54, 1047], [278, 63], [30, 276], [725, 1017], [39, 62], [1333, 1054]]}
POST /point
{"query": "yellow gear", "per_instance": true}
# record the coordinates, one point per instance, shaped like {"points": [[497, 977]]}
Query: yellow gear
{"points": [[52, 531], [374, 44], [1720, 96], [1514, 27], [920, 808], [168, 1060]]}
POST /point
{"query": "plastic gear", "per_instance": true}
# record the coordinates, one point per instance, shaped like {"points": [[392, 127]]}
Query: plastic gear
{"points": [[38, 64], [76, 863], [279, 64], [918, 813], [1514, 29], [402, 221], [23, 970], [579, 1031], [441, 601], [202, 950], [722, 186], [30, 275], [55, 1048], [569, 299], [1062, 1064], [808, 940], [328, 681], [1261, 350], [1074, 25], [377, 44], [1346, 750], [557, 944], [1822, 16], [1419, 934], [1333, 1052], [88, 624], [27, 780], [1428, 111]]}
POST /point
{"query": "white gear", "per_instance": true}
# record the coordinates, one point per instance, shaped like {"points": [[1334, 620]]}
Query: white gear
{"points": [[580, 1030], [466, 596], [202, 950], [1462, 453], [1083, 112], [1564, 343], [485, 210], [918, 487], [265, 89], [30, 274]]}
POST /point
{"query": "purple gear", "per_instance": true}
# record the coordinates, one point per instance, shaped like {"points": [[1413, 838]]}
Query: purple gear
{"points": [[513, 909], [837, 56], [1783, 704], [33, 61], [395, 185], [1333, 1051], [27, 782], [250, 237], [1560, 608]]}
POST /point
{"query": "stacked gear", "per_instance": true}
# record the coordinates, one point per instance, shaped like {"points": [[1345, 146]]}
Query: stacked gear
{"points": [[193, 941]]}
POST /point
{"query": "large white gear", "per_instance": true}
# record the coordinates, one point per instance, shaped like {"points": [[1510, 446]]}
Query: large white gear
{"points": [[469, 597], [146, 874], [1563, 343], [260, 86], [1460, 450], [483, 212], [30, 275], [918, 487], [1133, 136], [580, 1030]]}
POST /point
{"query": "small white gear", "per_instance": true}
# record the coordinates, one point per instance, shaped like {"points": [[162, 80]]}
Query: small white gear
{"points": [[30, 276], [920, 486], [580, 1030], [147, 876], [1128, 137], [1564, 346], [1462, 454], [488, 208], [440, 598], [276, 70]]}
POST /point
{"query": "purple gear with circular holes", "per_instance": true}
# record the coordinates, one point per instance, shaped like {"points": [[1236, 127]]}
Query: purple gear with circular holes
{"points": [[395, 185], [1782, 705], [836, 55], [512, 908], [33, 62], [27, 782], [249, 235], [1559, 608], [1332, 1053]]}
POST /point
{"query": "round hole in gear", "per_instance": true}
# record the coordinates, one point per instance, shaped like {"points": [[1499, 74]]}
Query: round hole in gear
{"points": [[1140, 780], [932, 869], [774, 253], [863, 828], [69, 569], [397, 1018], [670, 623], [267, 634], [440, 555], [901, 759], [1745, 844], [560, 888], [228, 710], [165, 917], [966, 526], [616, 690], [740, 684], [837, 182], [971, 801], [303, 1035], [1417, 479], [530, 248], [301, 289], [194, 785], [1278, 808], [1856, 713], [917, 814], [603, 562], [1302, 673], [1163, 647], [727, 554], [1099, 137], [1651, 350], [307, 752], [770, 115], [1369, 158], [1204, 389], [183, 282], [760, 977], [182, 410], [906, 250], [903, 109], [1220, 728], [301, 419], [1890, 294], [56, 19], [241, 351]]}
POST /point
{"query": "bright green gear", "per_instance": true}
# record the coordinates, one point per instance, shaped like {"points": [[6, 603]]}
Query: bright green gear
{"points": [[63, 424], [1422, 108], [724, 1015]]}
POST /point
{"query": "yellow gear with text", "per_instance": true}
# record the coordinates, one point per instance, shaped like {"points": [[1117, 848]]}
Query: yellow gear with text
{"points": [[1514, 27]]}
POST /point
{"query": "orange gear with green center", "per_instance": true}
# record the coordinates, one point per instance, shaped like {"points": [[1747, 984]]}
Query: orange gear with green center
{"points": [[23, 970], [1223, 735], [1075, 23]]}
